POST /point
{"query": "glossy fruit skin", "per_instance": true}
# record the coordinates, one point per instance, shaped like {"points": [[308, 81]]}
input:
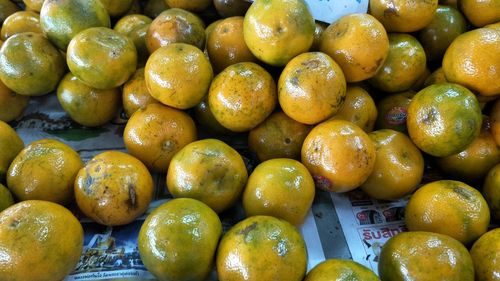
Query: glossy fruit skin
{"points": [[393, 111], [175, 26], [319, 28], [208, 170], [135, 94], [242, 96], [113, 188], [358, 43], [339, 155], [311, 88], [480, 13], [491, 191], [404, 65], [86, 105], [156, 133], [403, 16], [10, 145], [178, 75], [288, 30], [6, 199], [178, 240], [279, 136], [471, 61], [485, 253], [12, 105], [448, 207], [61, 20], [101, 57], [22, 21], [281, 188], [30, 65], [265, 247], [399, 166], [420, 255], [447, 24], [358, 108], [135, 26], [126, 24], [340, 270], [444, 119], [44, 170], [40, 240]]}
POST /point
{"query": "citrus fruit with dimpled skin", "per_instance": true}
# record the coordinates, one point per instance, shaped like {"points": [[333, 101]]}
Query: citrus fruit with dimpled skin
{"points": [[18, 22], [480, 13], [10, 145], [402, 15], [275, 31], [135, 93], [358, 108], [340, 270], [485, 253]]}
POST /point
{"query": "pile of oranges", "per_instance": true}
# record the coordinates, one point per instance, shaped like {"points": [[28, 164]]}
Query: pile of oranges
{"points": [[369, 101]]}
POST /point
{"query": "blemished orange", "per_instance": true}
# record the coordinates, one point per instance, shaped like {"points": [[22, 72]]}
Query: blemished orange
{"points": [[392, 111], [340, 270], [39, 240], [208, 170], [10, 145], [44, 170], [113, 188], [226, 46], [402, 15], [358, 108], [178, 75], [311, 88], [495, 121], [405, 64], [399, 166], [156, 133], [448, 207], [18, 22], [339, 155], [491, 191], [186, 231], [279, 136], [420, 255], [135, 94], [480, 13], [12, 105], [485, 253], [265, 248], [471, 60], [288, 30], [358, 43], [86, 105], [242, 96], [281, 188], [443, 119]]}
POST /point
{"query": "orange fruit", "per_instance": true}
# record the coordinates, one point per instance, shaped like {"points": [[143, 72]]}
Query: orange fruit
{"points": [[445, 26], [178, 75], [399, 166], [30, 65], [178, 240], [101, 57], [393, 110], [340, 270], [275, 31], [282, 188], [231, 8], [156, 133], [7, 8], [44, 170], [358, 108], [443, 119], [480, 13], [402, 15], [242, 96], [128, 23], [190, 5], [86, 105], [39, 240], [358, 43], [404, 65], [339, 155], [226, 46], [33, 5], [175, 26], [210, 171], [279, 136], [135, 26], [153, 8], [495, 121], [135, 94], [435, 77], [448, 207], [117, 8], [22, 21], [471, 61], [261, 248], [12, 105], [485, 254], [206, 119], [424, 255], [491, 191], [473, 163], [113, 188], [311, 88], [10, 145], [6, 199], [61, 20]]}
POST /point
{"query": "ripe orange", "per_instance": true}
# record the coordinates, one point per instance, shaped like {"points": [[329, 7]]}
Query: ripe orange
{"points": [[485, 254], [22, 21], [491, 191], [480, 13], [10, 145], [339, 155], [340, 270], [135, 26], [448, 207], [393, 110], [358, 108], [12, 105], [135, 94], [402, 15]]}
